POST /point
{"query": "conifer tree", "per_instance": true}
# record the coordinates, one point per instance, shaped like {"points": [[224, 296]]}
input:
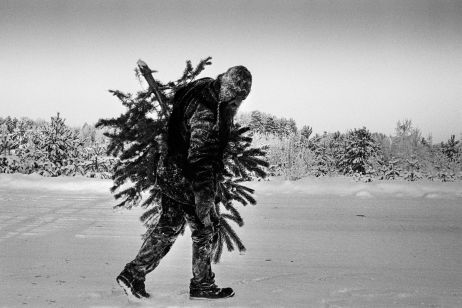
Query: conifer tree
{"points": [[257, 121], [10, 123], [137, 139], [305, 133], [271, 126], [5, 140], [58, 143], [450, 148], [360, 147]]}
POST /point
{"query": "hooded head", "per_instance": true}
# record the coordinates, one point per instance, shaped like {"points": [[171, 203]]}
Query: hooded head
{"points": [[235, 84]]}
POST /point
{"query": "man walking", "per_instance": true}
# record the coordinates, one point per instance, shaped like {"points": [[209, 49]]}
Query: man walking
{"points": [[198, 134]]}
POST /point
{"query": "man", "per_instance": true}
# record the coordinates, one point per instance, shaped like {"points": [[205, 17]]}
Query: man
{"points": [[198, 134]]}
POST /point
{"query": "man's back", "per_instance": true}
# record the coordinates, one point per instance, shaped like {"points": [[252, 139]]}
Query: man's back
{"points": [[186, 102], [191, 124]]}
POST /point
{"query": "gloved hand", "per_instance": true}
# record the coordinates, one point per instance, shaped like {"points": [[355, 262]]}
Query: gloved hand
{"points": [[203, 203], [206, 212]]}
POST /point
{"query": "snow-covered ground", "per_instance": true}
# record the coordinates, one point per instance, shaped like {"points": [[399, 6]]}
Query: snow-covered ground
{"points": [[328, 242]]}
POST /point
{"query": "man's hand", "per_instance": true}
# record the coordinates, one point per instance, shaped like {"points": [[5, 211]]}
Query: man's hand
{"points": [[204, 206]]}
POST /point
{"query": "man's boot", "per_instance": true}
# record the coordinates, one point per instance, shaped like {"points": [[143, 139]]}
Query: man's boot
{"points": [[212, 293], [134, 288]]}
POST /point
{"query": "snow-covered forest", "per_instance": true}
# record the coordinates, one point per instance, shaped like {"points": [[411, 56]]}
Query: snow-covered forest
{"points": [[52, 148]]}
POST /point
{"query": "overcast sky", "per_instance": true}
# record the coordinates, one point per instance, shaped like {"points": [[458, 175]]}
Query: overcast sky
{"points": [[333, 65]]}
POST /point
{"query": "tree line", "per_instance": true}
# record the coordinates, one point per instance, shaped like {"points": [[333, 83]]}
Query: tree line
{"points": [[360, 153], [52, 148]]}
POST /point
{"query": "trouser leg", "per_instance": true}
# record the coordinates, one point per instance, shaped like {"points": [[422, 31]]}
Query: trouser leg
{"points": [[203, 277], [159, 242]]}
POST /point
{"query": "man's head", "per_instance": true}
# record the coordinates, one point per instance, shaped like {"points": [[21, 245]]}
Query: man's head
{"points": [[235, 84]]}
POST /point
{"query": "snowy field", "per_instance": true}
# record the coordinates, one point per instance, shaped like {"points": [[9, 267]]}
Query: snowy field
{"points": [[328, 242]]}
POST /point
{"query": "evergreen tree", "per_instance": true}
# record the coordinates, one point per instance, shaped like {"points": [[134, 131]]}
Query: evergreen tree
{"points": [[450, 148], [391, 171], [10, 123], [322, 161], [271, 126], [5, 140], [360, 148], [137, 138], [285, 127], [306, 132], [291, 126], [58, 143], [413, 167], [257, 122]]}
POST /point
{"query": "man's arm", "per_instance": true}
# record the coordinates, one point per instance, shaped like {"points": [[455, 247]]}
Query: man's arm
{"points": [[202, 156]]}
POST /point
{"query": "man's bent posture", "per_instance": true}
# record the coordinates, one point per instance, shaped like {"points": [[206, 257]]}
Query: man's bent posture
{"points": [[198, 133]]}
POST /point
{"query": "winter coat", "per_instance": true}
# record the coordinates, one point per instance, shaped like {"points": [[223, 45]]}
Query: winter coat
{"points": [[198, 133]]}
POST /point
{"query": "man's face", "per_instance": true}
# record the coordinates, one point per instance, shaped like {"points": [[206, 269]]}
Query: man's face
{"points": [[232, 106]]}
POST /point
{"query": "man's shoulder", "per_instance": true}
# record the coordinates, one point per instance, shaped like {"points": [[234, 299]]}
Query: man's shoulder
{"points": [[202, 81], [194, 86], [200, 95]]}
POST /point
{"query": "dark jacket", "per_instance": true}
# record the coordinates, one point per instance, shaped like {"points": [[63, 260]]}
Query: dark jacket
{"points": [[197, 139]]}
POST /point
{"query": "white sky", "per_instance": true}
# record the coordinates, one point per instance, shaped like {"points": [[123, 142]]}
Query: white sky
{"points": [[333, 65]]}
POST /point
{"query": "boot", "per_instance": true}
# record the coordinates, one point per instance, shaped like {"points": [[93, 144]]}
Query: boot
{"points": [[134, 288], [212, 293]]}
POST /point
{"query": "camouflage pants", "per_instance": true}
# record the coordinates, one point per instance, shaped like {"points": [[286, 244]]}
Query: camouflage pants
{"points": [[157, 245]]}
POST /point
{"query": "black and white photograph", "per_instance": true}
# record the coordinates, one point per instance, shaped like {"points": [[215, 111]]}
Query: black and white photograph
{"points": [[248, 153]]}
